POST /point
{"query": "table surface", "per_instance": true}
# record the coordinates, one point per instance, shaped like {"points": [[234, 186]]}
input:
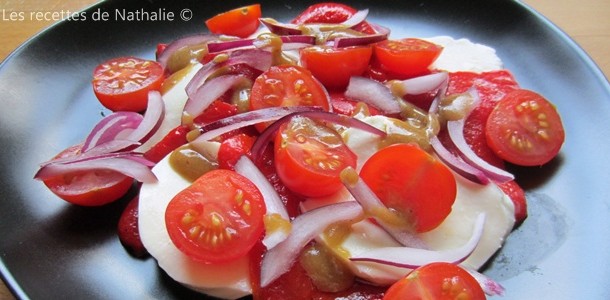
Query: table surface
{"points": [[586, 21]]}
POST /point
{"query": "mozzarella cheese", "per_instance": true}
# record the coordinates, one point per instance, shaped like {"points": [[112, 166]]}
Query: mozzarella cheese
{"points": [[464, 55]]}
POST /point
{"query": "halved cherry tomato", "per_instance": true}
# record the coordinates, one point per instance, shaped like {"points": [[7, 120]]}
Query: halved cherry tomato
{"points": [[330, 12], [525, 129], [436, 281], [88, 188], [240, 22], [309, 157], [122, 84], [413, 183], [333, 67], [232, 148], [408, 57], [218, 218], [287, 85]]}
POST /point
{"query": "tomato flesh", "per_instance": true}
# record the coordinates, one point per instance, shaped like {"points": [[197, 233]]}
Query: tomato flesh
{"points": [[309, 157], [287, 85], [408, 57], [240, 22], [413, 183], [122, 84], [525, 129], [436, 281], [218, 218], [88, 188], [333, 67]]}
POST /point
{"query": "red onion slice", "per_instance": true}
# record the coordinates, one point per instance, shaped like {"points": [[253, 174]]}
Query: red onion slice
{"points": [[266, 136], [412, 258], [301, 40], [489, 286], [359, 40], [112, 127], [372, 204], [210, 91], [356, 18], [456, 133], [247, 168], [255, 58], [273, 202], [153, 116], [183, 42], [126, 166], [305, 228], [457, 164], [222, 126], [280, 28], [422, 84], [374, 93]]}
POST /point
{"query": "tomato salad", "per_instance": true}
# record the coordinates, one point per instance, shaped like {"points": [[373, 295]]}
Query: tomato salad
{"points": [[318, 158]]}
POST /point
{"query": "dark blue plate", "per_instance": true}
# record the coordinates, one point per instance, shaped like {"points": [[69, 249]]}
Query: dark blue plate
{"points": [[51, 250]]}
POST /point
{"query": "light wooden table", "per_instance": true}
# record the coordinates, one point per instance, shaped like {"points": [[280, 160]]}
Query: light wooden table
{"points": [[586, 21]]}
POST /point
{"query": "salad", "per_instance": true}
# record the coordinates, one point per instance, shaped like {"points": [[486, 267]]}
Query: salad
{"points": [[319, 158]]}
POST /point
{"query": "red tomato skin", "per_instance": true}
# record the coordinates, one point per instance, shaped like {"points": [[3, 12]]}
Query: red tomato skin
{"points": [[331, 12], [133, 94], [406, 58], [90, 188], [400, 173], [287, 85], [128, 230], [535, 130], [240, 22], [217, 200], [436, 281], [232, 148], [334, 67], [173, 140], [305, 178]]}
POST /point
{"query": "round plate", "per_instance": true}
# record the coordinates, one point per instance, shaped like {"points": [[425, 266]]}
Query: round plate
{"points": [[50, 249]]}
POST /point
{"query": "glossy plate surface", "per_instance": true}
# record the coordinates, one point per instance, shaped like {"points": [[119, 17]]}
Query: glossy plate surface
{"points": [[51, 250]]}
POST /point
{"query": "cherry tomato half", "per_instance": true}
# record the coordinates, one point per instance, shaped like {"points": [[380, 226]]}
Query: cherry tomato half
{"points": [[309, 157], [525, 129], [122, 84], [408, 57], [218, 218], [333, 67], [436, 281], [412, 182], [287, 85], [88, 188], [240, 22]]}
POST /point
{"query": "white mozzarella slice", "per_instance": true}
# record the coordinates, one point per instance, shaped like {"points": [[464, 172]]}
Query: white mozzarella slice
{"points": [[228, 280], [464, 55]]}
